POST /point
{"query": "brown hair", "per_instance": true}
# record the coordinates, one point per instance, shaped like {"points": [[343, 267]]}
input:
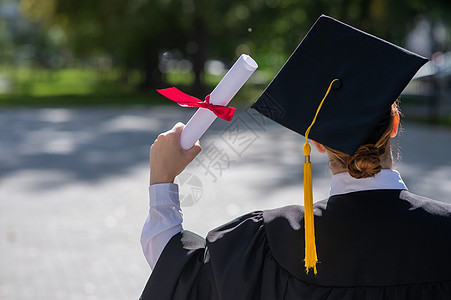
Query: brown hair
{"points": [[366, 161]]}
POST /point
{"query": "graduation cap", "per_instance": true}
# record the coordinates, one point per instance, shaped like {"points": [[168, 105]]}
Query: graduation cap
{"points": [[336, 88]]}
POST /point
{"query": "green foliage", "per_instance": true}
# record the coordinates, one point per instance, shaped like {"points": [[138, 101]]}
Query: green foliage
{"points": [[42, 82], [135, 32], [69, 87], [86, 87]]}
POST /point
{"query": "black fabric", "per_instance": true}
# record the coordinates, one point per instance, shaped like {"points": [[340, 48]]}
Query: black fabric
{"points": [[372, 74], [383, 244]]}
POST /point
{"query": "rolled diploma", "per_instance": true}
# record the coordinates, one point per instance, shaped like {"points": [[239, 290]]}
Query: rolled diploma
{"points": [[226, 89]]}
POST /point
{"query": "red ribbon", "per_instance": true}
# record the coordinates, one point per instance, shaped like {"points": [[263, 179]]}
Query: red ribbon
{"points": [[185, 100]]}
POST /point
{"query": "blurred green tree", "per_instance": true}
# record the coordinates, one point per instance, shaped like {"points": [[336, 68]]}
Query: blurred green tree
{"points": [[136, 32]]}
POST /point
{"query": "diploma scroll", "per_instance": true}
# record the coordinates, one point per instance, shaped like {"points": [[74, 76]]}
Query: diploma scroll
{"points": [[226, 89]]}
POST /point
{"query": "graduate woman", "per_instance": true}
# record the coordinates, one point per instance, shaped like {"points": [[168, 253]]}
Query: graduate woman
{"points": [[371, 239]]}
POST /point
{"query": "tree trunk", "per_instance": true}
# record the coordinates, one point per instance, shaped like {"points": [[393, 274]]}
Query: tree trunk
{"points": [[344, 11], [152, 77], [364, 20], [199, 57]]}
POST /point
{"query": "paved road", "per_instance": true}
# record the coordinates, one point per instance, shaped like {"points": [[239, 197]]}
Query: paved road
{"points": [[73, 190]]}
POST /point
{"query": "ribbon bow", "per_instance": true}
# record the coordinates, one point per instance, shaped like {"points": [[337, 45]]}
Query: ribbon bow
{"points": [[185, 100]]}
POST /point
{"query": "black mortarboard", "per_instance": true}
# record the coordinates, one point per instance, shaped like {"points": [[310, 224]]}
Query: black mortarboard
{"points": [[336, 88], [372, 73]]}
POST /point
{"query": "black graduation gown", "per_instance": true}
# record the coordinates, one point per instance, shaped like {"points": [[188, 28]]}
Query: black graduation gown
{"points": [[380, 244]]}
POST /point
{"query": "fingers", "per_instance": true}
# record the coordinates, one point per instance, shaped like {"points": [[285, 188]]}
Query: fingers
{"points": [[171, 135], [194, 151], [178, 127]]}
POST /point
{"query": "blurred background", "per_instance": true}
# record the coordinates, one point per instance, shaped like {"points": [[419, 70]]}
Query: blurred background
{"points": [[78, 112], [55, 52]]}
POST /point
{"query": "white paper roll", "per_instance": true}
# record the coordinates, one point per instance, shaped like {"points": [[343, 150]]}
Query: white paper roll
{"points": [[226, 89]]}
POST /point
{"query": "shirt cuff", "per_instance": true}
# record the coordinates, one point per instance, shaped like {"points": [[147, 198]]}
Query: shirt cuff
{"points": [[164, 194]]}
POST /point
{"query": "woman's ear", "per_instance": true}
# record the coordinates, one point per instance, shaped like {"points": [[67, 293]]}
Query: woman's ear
{"points": [[394, 131], [319, 147]]}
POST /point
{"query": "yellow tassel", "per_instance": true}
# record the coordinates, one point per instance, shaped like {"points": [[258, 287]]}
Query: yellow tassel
{"points": [[310, 245]]}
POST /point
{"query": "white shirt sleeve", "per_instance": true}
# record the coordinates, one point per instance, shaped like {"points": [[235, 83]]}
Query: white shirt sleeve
{"points": [[163, 222]]}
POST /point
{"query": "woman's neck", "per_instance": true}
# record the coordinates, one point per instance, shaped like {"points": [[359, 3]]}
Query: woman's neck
{"points": [[337, 166]]}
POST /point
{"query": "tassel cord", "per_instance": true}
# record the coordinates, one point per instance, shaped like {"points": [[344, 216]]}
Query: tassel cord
{"points": [[310, 244]]}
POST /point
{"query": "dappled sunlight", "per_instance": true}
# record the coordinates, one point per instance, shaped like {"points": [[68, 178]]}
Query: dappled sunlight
{"points": [[74, 183], [54, 115], [80, 113], [85, 144], [130, 123], [96, 144]]}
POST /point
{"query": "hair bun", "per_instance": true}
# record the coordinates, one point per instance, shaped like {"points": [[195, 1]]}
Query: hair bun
{"points": [[365, 162]]}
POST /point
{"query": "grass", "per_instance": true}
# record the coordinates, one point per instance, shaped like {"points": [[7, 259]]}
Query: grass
{"points": [[86, 87], [70, 87], [425, 113], [441, 121]]}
